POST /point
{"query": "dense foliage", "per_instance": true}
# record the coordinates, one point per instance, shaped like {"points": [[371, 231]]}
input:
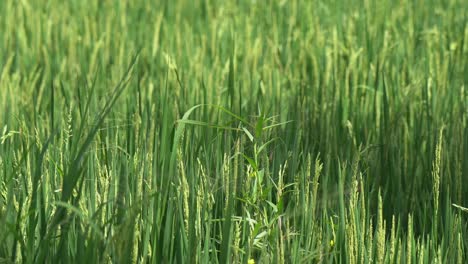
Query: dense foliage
{"points": [[233, 131]]}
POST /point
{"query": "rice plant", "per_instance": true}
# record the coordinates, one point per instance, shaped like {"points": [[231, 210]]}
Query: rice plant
{"points": [[233, 131]]}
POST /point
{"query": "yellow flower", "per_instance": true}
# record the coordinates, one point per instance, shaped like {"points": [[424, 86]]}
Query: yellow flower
{"points": [[251, 261], [332, 243]]}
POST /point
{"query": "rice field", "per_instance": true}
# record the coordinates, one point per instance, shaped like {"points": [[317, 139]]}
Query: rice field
{"points": [[246, 131]]}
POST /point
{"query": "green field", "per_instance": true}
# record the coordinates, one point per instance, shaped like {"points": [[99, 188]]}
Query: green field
{"points": [[246, 131]]}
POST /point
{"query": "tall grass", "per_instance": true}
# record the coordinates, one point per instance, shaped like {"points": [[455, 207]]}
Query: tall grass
{"points": [[233, 131]]}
